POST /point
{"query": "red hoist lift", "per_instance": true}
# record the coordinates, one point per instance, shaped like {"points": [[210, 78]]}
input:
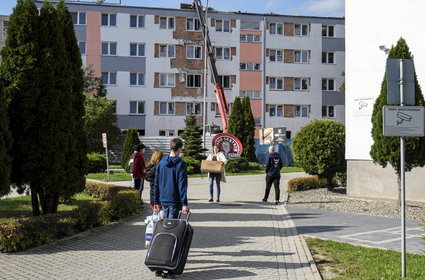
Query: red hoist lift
{"points": [[229, 144]]}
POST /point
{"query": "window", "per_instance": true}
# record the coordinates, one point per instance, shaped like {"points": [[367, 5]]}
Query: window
{"points": [[167, 80], [166, 23], [4, 28], [194, 108], [276, 28], [78, 18], [250, 25], [328, 111], [192, 24], [328, 57], [166, 108], [250, 93], [137, 107], [109, 19], [109, 48], [167, 51], [137, 49], [275, 83], [328, 30], [222, 25], [137, 79], [276, 55], [193, 52], [166, 132], [137, 21], [250, 66], [222, 53], [301, 29], [275, 110], [328, 84], [301, 111], [193, 81], [82, 46], [300, 84], [109, 78], [250, 38], [301, 56], [225, 81]]}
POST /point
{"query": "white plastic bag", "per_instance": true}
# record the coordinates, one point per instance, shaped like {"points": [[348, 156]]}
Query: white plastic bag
{"points": [[150, 222]]}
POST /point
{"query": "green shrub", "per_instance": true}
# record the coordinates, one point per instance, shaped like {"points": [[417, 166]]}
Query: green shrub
{"points": [[341, 178], [102, 191], [236, 165], [91, 214], [96, 163], [255, 166], [193, 165], [131, 141], [306, 183], [125, 203]]}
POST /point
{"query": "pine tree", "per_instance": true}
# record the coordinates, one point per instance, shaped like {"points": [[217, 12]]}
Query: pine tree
{"points": [[192, 136], [19, 71], [131, 141], [249, 131], [5, 143], [236, 120], [387, 149], [76, 153]]}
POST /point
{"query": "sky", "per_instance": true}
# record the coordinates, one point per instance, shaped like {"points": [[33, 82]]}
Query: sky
{"points": [[325, 8]]}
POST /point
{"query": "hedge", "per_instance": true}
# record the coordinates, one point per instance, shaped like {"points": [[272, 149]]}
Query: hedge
{"points": [[96, 163], [307, 183], [236, 165], [117, 202]]}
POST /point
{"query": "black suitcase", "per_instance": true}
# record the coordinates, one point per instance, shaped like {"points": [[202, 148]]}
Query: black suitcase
{"points": [[169, 246]]}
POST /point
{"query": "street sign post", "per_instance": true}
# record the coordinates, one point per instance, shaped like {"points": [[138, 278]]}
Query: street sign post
{"points": [[105, 145]]}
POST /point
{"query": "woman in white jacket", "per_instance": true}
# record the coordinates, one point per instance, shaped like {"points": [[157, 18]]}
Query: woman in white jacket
{"points": [[216, 156]]}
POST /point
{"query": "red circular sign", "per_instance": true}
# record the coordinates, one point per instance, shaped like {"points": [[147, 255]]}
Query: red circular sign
{"points": [[229, 145]]}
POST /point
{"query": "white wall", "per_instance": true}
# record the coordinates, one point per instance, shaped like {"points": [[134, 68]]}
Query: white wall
{"points": [[370, 24]]}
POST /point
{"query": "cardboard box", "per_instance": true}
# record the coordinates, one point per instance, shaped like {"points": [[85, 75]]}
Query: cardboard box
{"points": [[212, 166]]}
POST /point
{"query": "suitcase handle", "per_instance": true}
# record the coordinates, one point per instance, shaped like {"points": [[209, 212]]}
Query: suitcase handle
{"points": [[187, 215]]}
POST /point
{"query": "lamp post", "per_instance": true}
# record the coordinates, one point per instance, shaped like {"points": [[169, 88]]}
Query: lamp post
{"points": [[204, 107]]}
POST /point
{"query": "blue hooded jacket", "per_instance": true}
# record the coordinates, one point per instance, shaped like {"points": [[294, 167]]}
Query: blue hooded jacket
{"points": [[273, 164], [170, 188]]}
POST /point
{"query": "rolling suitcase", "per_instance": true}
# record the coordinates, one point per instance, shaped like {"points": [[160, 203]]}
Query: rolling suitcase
{"points": [[170, 245]]}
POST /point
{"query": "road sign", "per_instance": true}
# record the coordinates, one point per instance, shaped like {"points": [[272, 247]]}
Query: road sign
{"points": [[104, 140], [403, 120], [393, 81]]}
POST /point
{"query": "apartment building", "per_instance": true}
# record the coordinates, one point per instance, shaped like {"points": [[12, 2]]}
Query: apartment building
{"points": [[152, 62]]}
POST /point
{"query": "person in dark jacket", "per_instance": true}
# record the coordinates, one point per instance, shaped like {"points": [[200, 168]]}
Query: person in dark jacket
{"points": [[170, 188], [139, 169], [273, 165], [150, 172]]}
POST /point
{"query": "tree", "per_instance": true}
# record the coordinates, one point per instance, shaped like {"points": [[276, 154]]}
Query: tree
{"points": [[19, 71], [131, 141], [100, 118], [5, 143], [93, 85], [319, 148], [248, 131], [236, 120], [387, 149], [192, 136]]}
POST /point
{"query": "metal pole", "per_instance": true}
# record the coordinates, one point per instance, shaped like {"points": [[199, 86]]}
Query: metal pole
{"points": [[204, 107], [107, 162], [263, 100], [403, 190]]}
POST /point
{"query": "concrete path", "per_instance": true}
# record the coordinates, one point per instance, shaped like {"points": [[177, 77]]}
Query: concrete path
{"points": [[240, 238]]}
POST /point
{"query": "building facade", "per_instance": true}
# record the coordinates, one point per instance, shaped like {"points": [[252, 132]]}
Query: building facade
{"points": [[152, 62]]}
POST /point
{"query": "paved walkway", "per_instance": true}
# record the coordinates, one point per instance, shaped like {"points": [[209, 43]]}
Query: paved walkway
{"points": [[240, 238]]}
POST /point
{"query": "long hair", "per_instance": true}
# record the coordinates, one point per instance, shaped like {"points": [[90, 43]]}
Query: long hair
{"points": [[156, 157]]}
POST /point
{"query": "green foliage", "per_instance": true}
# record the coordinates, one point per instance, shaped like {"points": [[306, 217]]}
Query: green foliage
{"points": [[93, 85], [102, 191], [341, 178], [319, 148], [96, 162], [236, 120], [248, 131], [387, 149], [5, 145], [192, 137], [125, 203], [91, 214], [237, 165], [100, 118], [131, 141], [193, 165], [307, 183]]}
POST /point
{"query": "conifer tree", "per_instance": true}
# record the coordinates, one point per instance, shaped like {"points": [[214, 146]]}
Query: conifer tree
{"points": [[5, 142], [192, 136], [386, 150], [131, 141], [236, 120], [249, 131], [19, 71]]}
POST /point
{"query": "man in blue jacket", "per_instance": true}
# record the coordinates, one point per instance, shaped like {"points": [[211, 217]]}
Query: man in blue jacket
{"points": [[273, 165], [170, 188]]}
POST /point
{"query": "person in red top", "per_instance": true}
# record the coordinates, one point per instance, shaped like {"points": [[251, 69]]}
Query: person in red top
{"points": [[139, 169]]}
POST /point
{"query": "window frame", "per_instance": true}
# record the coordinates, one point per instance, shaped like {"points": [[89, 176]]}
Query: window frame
{"points": [[301, 25], [193, 105], [138, 21], [327, 84], [276, 28], [276, 55], [138, 84], [195, 23], [78, 13], [108, 78], [222, 21], [242, 22], [326, 56], [138, 49], [276, 83], [253, 37], [193, 52], [250, 66], [167, 79], [301, 107], [223, 81], [138, 102], [167, 22], [223, 52], [108, 24], [108, 43], [306, 52], [167, 51], [326, 30], [301, 84], [326, 111], [85, 47], [194, 80], [254, 94], [167, 108]]}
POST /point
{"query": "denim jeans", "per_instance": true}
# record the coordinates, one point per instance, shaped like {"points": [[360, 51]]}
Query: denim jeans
{"points": [[170, 212], [217, 177]]}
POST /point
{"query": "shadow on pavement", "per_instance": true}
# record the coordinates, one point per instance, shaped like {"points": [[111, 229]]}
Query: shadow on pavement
{"points": [[295, 216], [215, 274], [242, 253]]}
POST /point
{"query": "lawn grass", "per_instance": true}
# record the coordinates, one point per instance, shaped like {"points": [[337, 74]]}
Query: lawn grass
{"points": [[338, 260], [115, 166], [117, 175], [17, 207]]}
